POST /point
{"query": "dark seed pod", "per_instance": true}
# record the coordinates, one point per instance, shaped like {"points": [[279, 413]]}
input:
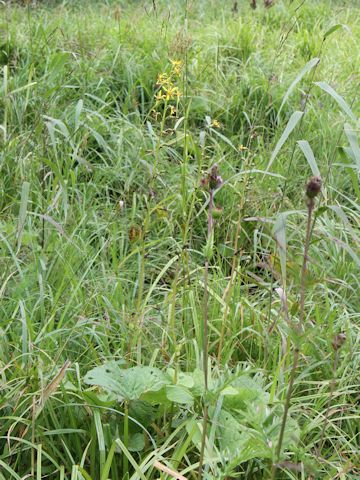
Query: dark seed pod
{"points": [[313, 187], [339, 341]]}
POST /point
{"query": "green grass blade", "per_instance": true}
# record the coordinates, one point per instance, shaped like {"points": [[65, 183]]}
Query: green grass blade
{"points": [[293, 121], [338, 99], [309, 155], [311, 64]]}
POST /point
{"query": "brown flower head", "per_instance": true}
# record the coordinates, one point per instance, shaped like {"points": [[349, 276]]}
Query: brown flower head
{"points": [[313, 187], [215, 180], [339, 341]]}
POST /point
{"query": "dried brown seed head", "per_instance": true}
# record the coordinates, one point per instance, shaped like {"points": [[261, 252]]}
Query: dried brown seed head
{"points": [[313, 187], [339, 341]]}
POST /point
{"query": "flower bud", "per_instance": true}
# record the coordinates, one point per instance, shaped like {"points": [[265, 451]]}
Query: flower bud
{"points": [[339, 341], [215, 180], [313, 187]]}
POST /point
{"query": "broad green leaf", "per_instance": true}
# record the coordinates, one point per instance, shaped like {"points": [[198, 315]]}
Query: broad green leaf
{"points": [[349, 153], [238, 442], [241, 391], [198, 388], [179, 394], [142, 411], [312, 63], [182, 378], [253, 446], [156, 398], [136, 442], [128, 384], [293, 121], [291, 434], [309, 155], [338, 98]]}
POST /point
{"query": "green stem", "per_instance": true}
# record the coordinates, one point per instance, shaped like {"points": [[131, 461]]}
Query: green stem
{"points": [[205, 335], [299, 328], [126, 439]]}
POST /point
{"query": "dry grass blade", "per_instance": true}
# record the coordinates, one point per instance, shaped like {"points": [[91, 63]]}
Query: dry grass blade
{"points": [[51, 388], [168, 471]]}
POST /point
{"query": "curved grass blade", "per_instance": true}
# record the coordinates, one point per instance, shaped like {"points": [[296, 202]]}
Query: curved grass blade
{"points": [[293, 121], [309, 155], [338, 99], [311, 64], [336, 27]]}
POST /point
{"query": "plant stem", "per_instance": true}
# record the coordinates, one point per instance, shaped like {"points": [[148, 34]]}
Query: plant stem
{"points": [[205, 333], [299, 328], [126, 438]]}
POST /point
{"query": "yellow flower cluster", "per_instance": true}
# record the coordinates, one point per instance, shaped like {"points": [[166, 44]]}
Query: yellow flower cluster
{"points": [[168, 90], [176, 66], [215, 124], [242, 148]]}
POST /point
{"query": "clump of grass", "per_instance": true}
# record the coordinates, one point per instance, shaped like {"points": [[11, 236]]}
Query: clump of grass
{"points": [[112, 252]]}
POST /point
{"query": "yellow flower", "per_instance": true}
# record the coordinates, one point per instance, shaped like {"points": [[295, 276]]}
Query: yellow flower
{"points": [[163, 79], [215, 124], [242, 148], [176, 66], [172, 92], [160, 95], [172, 110]]}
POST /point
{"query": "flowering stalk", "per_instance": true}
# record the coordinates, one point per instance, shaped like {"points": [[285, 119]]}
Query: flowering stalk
{"points": [[313, 188], [213, 181]]}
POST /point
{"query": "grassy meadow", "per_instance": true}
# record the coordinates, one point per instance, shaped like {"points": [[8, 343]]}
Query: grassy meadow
{"points": [[176, 300]]}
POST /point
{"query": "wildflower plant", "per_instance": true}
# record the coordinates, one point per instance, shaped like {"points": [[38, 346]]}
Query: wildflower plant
{"points": [[168, 92]]}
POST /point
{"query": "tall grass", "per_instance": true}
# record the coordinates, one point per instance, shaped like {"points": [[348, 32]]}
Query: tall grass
{"points": [[111, 246]]}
